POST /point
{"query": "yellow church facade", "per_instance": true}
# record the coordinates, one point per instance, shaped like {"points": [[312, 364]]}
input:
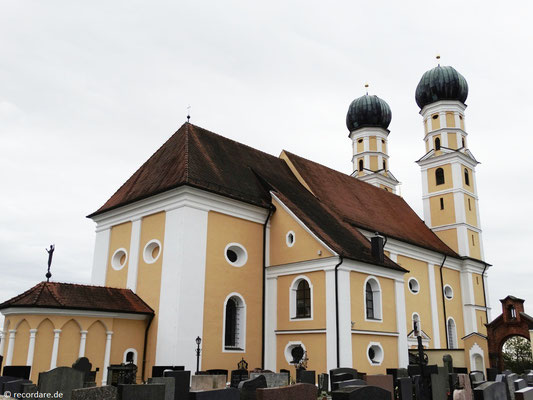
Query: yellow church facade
{"points": [[259, 254]]}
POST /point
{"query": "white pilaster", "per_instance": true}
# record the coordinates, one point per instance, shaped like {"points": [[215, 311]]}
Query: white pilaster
{"points": [[434, 309], [271, 323], [331, 328], [487, 298], [462, 241], [31, 347], [345, 318], [83, 341], [181, 315], [11, 346], [133, 265], [55, 348], [366, 143], [101, 251], [401, 325], [107, 356], [2, 342], [459, 204], [469, 311], [444, 139]]}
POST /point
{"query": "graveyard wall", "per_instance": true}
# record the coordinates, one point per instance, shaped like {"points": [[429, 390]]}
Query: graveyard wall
{"points": [[223, 280], [314, 345], [305, 246], [360, 345], [388, 304], [120, 238]]}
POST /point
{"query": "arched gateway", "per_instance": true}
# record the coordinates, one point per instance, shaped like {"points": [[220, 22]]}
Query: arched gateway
{"points": [[512, 322]]}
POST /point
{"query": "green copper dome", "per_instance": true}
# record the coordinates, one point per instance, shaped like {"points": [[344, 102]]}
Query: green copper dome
{"points": [[368, 111], [441, 83]]}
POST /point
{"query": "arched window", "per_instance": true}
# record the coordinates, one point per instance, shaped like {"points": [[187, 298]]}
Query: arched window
{"points": [[303, 300], [467, 178], [416, 324], [439, 176], [452, 334], [512, 312], [437, 144], [372, 299], [384, 165], [234, 323], [360, 165], [463, 141]]}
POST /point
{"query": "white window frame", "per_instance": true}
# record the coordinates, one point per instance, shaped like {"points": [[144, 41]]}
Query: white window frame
{"points": [[417, 283], [135, 355], [288, 348], [289, 244], [379, 359], [115, 259], [453, 344], [147, 251], [444, 290], [243, 256], [419, 321], [241, 325], [292, 298], [376, 296]]}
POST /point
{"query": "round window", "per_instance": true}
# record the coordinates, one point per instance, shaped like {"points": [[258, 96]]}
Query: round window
{"points": [[236, 254], [120, 256], [375, 353], [152, 251], [290, 238], [414, 287], [360, 141], [448, 292]]}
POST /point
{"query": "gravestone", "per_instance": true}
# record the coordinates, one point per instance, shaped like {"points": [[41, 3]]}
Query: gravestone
{"points": [[216, 394], [95, 393], [323, 383], [350, 382], [490, 391], [169, 383], [238, 375], [448, 362], [342, 374], [524, 394], [405, 389], [510, 384], [217, 372], [29, 388], [5, 379], [503, 379], [15, 387], [17, 371], [414, 369], [182, 381], [529, 379], [141, 392], [82, 364], [439, 384], [272, 379], [519, 384], [491, 374], [62, 380], [121, 374], [464, 382], [208, 382], [249, 387], [158, 370], [286, 371], [477, 378], [305, 376], [299, 391], [383, 381], [460, 370], [361, 393], [453, 382]]}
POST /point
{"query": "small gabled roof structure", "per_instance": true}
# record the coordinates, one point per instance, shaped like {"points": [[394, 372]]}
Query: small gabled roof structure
{"points": [[79, 297]]}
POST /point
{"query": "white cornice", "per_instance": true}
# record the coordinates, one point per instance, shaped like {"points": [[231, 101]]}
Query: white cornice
{"points": [[451, 190], [445, 130], [452, 156], [320, 264], [455, 225], [443, 105], [71, 312], [369, 131], [298, 332], [378, 333], [184, 196]]}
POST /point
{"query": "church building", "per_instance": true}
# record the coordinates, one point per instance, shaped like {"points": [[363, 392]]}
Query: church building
{"points": [[257, 254]]}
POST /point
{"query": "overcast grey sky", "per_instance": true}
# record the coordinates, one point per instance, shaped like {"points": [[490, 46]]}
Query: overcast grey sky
{"points": [[89, 90]]}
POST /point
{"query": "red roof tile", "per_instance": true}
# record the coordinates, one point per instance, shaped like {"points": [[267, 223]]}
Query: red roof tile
{"points": [[80, 297]]}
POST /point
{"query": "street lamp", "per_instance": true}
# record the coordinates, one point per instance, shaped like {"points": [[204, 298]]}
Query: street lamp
{"points": [[198, 351]]}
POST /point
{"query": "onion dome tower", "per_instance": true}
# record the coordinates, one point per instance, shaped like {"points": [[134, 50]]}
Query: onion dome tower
{"points": [[448, 167], [368, 119]]}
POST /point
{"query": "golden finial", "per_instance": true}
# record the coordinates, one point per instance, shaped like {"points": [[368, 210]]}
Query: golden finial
{"points": [[366, 86], [438, 59]]}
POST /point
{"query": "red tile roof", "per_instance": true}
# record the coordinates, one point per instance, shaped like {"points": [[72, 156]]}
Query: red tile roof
{"points": [[79, 297], [196, 157]]}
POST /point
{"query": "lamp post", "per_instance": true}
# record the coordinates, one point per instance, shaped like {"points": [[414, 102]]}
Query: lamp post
{"points": [[198, 351]]}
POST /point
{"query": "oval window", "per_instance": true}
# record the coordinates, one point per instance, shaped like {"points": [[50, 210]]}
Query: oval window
{"points": [[120, 256], [235, 254], [152, 251]]}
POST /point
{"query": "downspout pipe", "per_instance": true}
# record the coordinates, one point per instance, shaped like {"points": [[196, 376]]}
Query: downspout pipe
{"points": [[270, 211], [144, 346], [485, 294], [337, 311], [444, 302]]}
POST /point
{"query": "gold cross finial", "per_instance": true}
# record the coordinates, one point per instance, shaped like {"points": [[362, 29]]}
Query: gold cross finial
{"points": [[366, 86]]}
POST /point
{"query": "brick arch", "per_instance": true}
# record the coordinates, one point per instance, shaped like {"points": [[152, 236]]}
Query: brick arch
{"points": [[513, 321]]}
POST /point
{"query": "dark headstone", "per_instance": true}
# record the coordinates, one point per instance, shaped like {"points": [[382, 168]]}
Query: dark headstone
{"points": [[62, 380], [299, 391], [29, 388], [286, 371], [249, 387], [216, 394], [519, 384], [82, 364], [490, 391], [405, 389], [460, 370], [237, 376], [15, 387], [491, 374], [529, 379], [439, 384], [121, 374], [182, 381], [141, 392], [350, 382], [17, 371], [5, 379], [413, 369], [304, 376], [477, 378], [217, 372], [273, 379], [95, 393], [323, 383], [342, 374], [169, 383], [158, 370], [524, 394], [361, 393], [448, 362], [383, 381]]}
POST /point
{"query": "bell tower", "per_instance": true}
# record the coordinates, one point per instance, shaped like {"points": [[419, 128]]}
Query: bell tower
{"points": [[368, 120], [448, 167]]}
